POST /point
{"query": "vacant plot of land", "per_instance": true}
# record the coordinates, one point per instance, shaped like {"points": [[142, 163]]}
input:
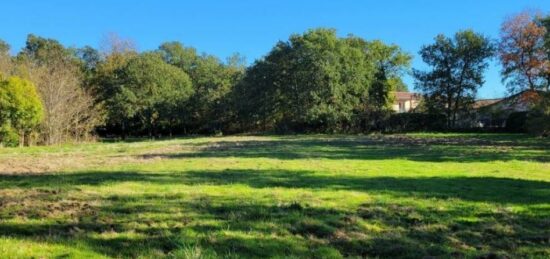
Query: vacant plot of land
{"points": [[443, 195]]}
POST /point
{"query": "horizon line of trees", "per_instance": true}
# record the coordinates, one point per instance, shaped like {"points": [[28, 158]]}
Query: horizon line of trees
{"points": [[457, 65], [313, 82]]}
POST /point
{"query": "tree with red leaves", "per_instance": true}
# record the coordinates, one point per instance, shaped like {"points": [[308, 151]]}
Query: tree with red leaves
{"points": [[522, 53], [546, 23]]}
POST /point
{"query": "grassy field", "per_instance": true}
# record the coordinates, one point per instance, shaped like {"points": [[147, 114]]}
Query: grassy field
{"points": [[314, 196]]}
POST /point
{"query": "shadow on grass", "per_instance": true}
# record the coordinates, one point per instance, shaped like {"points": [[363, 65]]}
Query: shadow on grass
{"points": [[458, 216], [483, 189], [372, 148], [177, 224]]}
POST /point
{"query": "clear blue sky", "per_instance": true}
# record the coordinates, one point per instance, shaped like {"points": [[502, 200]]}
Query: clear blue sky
{"points": [[252, 27]]}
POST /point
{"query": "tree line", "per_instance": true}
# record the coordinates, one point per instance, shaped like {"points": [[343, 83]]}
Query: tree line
{"points": [[457, 65], [313, 82]]}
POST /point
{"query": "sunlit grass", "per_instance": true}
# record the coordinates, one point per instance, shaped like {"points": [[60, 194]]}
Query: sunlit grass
{"points": [[417, 195]]}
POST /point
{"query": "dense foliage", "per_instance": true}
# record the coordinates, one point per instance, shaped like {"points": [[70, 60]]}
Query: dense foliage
{"points": [[522, 53], [71, 113], [20, 111], [208, 109], [5, 61], [150, 90], [319, 82], [407, 122], [538, 120], [313, 82]]}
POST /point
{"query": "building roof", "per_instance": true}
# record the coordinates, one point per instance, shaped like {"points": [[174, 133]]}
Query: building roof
{"points": [[485, 102], [404, 96], [518, 102]]}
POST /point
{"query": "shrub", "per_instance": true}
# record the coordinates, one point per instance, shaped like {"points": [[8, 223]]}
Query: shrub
{"points": [[401, 122], [538, 120], [8, 136], [516, 122], [539, 125]]}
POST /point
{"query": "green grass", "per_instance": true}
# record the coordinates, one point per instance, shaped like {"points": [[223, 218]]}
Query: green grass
{"points": [[312, 196]]}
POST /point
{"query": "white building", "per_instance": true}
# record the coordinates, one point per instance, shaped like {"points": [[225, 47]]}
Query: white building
{"points": [[405, 101]]}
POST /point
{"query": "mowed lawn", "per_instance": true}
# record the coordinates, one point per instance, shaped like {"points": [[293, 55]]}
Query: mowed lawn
{"points": [[310, 196]]}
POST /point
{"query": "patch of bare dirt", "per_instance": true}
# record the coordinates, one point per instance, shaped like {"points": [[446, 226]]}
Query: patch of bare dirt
{"points": [[49, 163], [40, 203], [40, 164]]}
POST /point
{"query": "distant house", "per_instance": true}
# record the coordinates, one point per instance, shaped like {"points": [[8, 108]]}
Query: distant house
{"points": [[405, 101], [488, 113], [493, 113]]}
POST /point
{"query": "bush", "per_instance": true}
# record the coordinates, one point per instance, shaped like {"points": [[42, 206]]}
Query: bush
{"points": [[8, 136], [401, 122], [539, 126], [516, 122], [538, 120], [20, 109]]}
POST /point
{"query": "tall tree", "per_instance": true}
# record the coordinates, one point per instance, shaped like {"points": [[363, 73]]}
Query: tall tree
{"points": [[43, 50], [106, 81], [212, 82], [177, 54], [150, 87], [5, 59], [70, 110], [390, 63], [521, 51], [457, 67], [4, 47], [317, 81], [90, 59], [546, 23]]}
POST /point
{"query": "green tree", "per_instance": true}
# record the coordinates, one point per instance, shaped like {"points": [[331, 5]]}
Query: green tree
{"points": [[314, 81], [5, 59], [44, 50], [538, 120], [390, 64], [212, 81], [106, 83], [20, 108], [149, 88], [176, 54], [457, 67], [90, 59], [4, 47], [398, 85], [318, 81]]}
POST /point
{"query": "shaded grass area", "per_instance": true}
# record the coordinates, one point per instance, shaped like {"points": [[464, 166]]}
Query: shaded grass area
{"points": [[408, 196], [415, 148], [481, 189]]}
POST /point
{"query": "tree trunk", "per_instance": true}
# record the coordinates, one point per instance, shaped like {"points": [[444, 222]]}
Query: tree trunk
{"points": [[21, 138], [26, 139], [152, 128], [123, 127]]}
